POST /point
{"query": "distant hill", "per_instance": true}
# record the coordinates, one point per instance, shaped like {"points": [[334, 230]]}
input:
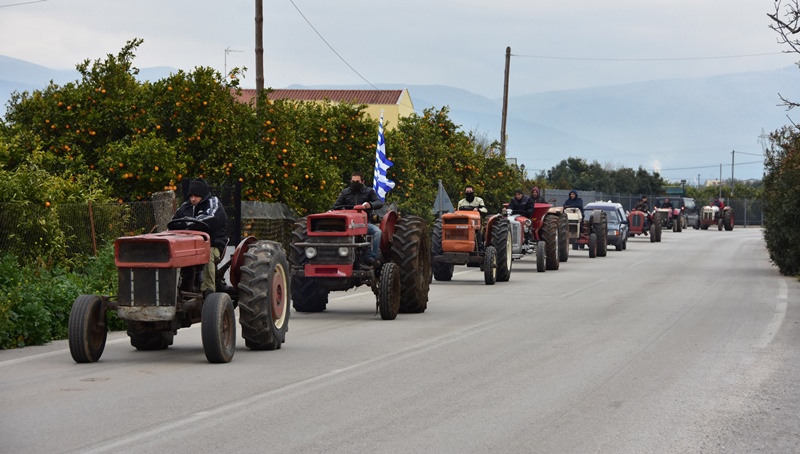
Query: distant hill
{"points": [[684, 126]]}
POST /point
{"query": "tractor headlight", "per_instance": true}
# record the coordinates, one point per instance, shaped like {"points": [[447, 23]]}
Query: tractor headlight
{"points": [[528, 223], [311, 252], [343, 251]]}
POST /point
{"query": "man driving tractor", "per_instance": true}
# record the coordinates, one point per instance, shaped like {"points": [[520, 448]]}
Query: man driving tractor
{"points": [[357, 194], [471, 201]]}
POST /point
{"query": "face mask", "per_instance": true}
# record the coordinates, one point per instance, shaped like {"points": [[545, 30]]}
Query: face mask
{"points": [[470, 197], [355, 186]]}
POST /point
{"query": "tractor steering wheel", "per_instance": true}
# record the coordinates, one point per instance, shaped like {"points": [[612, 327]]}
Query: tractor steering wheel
{"points": [[187, 223]]}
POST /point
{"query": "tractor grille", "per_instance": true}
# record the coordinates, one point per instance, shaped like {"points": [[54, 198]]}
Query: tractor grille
{"points": [[456, 235], [143, 252], [464, 220], [328, 250], [328, 225], [148, 286]]}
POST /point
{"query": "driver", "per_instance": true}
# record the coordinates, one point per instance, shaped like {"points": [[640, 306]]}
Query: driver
{"points": [[521, 204], [471, 202], [359, 195], [205, 207], [667, 204]]}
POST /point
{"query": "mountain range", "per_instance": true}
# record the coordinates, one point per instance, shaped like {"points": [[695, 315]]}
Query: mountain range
{"points": [[683, 128]]}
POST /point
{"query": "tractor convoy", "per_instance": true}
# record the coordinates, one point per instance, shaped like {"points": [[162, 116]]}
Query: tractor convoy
{"points": [[159, 274]]}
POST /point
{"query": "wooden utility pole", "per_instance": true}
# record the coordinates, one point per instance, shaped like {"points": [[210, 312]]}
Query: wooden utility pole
{"points": [[259, 48], [505, 105]]}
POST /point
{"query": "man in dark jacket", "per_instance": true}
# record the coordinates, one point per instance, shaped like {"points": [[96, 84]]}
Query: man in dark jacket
{"points": [[574, 201], [667, 204], [521, 204], [205, 207], [642, 205], [357, 194]]}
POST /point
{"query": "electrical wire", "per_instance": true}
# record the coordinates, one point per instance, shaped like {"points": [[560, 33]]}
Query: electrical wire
{"points": [[646, 59], [23, 3]]}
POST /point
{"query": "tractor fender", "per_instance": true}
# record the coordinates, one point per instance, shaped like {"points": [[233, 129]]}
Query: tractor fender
{"points": [[387, 232], [238, 258]]}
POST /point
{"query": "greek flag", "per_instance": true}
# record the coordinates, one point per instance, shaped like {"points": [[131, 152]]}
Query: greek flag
{"points": [[380, 182]]}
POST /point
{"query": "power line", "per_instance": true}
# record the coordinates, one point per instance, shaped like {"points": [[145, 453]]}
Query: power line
{"points": [[646, 59], [23, 3], [716, 166], [331, 47]]}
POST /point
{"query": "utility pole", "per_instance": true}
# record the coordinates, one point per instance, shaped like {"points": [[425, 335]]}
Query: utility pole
{"points": [[259, 48], [505, 105], [720, 181], [733, 153], [698, 181]]}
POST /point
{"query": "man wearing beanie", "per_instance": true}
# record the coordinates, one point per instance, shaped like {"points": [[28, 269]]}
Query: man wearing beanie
{"points": [[204, 206]]}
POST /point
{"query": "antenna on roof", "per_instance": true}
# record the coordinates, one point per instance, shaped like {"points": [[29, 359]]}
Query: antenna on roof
{"points": [[227, 51]]}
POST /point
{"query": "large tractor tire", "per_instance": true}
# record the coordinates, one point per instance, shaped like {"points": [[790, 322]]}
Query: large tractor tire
{"points": [[550, 238], [501, 240], [727, 218], [307, 294], [659, 229], [602, 237], [441, 271], [696, 224], [389, 291], [88, 329], [719, 224], [563, 237], [218, 328], [264, 296], [411, 254], [592, 245], [147, 337], [490, 266]]}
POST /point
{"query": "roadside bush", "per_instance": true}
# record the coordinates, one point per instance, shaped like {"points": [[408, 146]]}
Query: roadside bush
{"points": [[35, 301], [781, 197]]}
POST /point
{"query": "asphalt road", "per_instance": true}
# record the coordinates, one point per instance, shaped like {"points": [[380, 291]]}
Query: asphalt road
{"points": [[685, 346]]}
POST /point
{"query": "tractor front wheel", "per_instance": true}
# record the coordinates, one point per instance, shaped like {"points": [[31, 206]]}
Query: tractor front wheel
{"points": [[490, 266], [541, 256], [563, 237], [441, 271], [389, 291], [550, 237], [264, 296], [88, 329], [501, 240], [218, 328], [592, 245]]}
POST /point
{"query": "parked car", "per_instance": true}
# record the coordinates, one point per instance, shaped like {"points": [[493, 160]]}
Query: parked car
{"points": [[617, 222], [691, 212]]}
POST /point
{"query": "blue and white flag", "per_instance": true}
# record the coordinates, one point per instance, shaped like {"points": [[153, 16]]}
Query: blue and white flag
{"points": [[380, 182]]}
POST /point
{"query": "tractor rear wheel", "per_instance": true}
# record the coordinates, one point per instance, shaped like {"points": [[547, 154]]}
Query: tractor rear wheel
{"points": [[541, 256], [501, 240], [719, 224], [550, 237], [389, 291], [563, 237], [659, 229], [441, 271], [218, 328], [307, 294], [264, 296], [413, 258], [147, 337], [88, 329], [592, 245], [490, 266]]}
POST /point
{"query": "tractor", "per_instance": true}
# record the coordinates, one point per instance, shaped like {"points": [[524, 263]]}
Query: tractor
{"points": [[460, 239], [329, 253], [545, 235], [712, 215], [588, 230], [638, 221], [159, 292]]}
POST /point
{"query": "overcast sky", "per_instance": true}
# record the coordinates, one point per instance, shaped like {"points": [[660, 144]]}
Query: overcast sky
{"points": [[556, 44]]}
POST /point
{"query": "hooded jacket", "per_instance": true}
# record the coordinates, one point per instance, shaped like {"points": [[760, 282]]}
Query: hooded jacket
{"points": [[210, 211], [539, 198], [523, 206], [577, 202]]}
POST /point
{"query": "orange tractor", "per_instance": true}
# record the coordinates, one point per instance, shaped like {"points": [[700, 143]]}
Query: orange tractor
{"points": [[460, 239]]}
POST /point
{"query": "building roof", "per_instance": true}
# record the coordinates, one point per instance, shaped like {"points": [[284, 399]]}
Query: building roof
{"points": [[349, 96]]}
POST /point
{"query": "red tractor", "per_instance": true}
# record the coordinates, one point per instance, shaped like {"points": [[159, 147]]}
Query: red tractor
{"points": [[329, 252], [640, 222], [459, 239], [159, 292], [713, 215], [546, 234]]}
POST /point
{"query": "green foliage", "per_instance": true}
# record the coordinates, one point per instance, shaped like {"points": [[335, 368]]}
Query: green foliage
{"points": [[576, 173], [781, 196], [35, 302]]}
